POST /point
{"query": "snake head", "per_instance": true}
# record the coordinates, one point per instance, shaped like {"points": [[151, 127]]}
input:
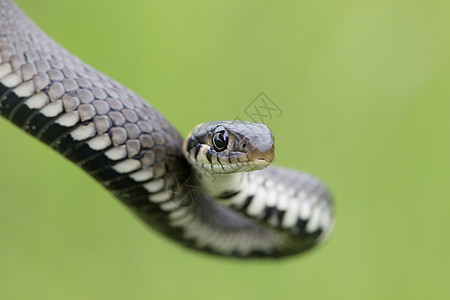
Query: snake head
{"points": [[222, 147]]}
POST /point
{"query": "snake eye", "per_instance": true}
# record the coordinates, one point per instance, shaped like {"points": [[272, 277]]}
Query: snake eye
{"points": [[220, 141]]}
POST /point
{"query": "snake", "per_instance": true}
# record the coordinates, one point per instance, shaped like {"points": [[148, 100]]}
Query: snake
{"points": [[214, 191]]}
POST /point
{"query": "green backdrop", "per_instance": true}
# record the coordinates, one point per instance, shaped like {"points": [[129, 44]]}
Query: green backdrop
{"points": [[365, 95]]}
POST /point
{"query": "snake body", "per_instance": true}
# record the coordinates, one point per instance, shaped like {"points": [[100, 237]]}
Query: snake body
{"points": [[136, 154]]}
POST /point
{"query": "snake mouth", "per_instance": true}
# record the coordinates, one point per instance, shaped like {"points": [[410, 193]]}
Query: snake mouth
{"points": [[261, 158], [246, 166], [231, 162], [262, 161]]}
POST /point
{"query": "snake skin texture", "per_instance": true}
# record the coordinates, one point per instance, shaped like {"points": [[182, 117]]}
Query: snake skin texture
{"points": [[135, 153]]}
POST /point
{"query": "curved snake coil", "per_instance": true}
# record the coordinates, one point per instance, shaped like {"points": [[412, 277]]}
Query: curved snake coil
{"points": [[136, 154]]}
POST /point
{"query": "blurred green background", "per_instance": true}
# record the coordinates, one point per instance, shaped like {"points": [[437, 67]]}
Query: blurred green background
{"points": [[364, 89]]}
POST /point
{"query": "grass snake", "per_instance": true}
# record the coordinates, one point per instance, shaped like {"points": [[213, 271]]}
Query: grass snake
{"points": [[214, 193]]}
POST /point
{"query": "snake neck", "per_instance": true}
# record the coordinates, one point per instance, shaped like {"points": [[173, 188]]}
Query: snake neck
{"points": [[290, 202], [244, 192], [221, 186]]}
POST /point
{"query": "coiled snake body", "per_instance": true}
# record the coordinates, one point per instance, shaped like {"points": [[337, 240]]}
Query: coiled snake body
{"points": [[135, 153]]}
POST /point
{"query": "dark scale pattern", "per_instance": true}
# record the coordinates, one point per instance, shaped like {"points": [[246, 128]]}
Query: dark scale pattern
{"points": [[8, 102], [28, 55], [120, 140]]}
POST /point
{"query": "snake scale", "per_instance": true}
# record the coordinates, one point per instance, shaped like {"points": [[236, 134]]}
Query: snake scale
{"points": [[135, 153]]}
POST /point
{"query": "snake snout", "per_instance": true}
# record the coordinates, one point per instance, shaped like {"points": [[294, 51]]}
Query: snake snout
{"points": [[262, 155]]}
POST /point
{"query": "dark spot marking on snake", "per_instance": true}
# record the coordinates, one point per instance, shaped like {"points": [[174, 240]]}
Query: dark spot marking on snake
{"points": [[130, 189], [8, 102], [208, 155], [3, 90], [143, 204], [93, 165], [64, 143], [197, 150], [315, 234], [192, 143], [138, 192], [36, 123], [44, 128], [21, 115], [81, 152], [18, 107], [124, 183], [228, 194], [268, 212], [280, 215], [52, 132], [26, 124], [247, 202], [130, 200], [301, 224], [11, 106], [105, 174]]}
